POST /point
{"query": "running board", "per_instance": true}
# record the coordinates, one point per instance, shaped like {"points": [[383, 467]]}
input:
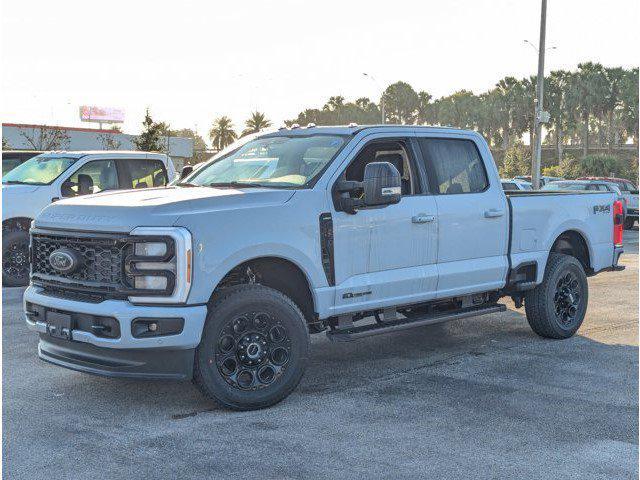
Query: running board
{"points": [[354, 333]]}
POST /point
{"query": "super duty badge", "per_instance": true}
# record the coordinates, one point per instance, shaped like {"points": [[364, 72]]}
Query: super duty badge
{"points": [[601, 209]]}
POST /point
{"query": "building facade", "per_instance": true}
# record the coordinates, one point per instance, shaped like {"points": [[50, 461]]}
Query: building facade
{"points": [[18, 136]]}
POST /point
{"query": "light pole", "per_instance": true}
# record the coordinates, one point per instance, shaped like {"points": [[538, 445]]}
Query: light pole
{"points": [[381, 98], [540, 113]]}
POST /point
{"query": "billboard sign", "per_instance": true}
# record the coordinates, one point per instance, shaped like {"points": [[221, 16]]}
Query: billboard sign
{"points": [[101, 114]]}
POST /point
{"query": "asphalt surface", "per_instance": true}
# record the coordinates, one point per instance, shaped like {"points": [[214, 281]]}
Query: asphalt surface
{"points": [[476, 398]]}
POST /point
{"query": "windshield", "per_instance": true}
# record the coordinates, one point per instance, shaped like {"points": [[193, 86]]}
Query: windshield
{"points": [[271, 162], [40, 170]]}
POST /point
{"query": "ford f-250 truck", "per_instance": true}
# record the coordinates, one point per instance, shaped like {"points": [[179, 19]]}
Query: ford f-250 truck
{"points": [[355, 231]]}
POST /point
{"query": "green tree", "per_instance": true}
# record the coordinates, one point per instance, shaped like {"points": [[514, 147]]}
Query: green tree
{"points": [[221, 133], [150, 140], [558, 107], [423, 115], [517, 161], [255, 123], [629, 104], [401, 103]]}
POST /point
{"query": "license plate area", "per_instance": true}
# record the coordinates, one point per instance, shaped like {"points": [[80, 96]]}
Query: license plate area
{"points": [[59, 325]]}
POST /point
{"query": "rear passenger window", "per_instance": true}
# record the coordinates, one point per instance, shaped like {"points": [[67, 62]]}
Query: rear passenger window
{"points": [[454, 166], [147, 173]]}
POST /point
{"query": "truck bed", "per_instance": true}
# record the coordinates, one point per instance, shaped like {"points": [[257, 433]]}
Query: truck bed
{"points": [[538, 218]]}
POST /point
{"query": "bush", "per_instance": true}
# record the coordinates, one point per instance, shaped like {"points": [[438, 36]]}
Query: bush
{"points": [[601, 166]]}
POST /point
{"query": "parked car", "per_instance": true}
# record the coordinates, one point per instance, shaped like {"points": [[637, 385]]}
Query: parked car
{"points": [[543, 179], [222, 277], [48, 177], [630, 193], [588, 185], [12, 158], [515, 184]]}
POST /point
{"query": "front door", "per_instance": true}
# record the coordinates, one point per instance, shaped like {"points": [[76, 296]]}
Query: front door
{"points": [[386, 256]]}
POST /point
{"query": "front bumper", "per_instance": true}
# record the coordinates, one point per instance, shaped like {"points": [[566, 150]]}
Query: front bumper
{"points": [[169, 356]]}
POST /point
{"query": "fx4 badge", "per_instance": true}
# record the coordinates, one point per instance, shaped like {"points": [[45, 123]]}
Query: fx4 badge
{"points": [[601, 209]]}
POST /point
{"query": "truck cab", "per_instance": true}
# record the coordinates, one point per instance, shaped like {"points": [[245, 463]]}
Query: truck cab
{"points": [[52, 176], [353, 231]]}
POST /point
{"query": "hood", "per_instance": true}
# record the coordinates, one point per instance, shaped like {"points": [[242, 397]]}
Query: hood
{"points": [[9, 190], [121, 211]]}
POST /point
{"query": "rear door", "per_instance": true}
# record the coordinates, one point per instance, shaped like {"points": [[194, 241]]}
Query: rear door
{"points": [[472, 216], [142, 173]]}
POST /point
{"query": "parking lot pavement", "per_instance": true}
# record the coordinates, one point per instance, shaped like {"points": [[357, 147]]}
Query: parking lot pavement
{"points": [[476, 398]]}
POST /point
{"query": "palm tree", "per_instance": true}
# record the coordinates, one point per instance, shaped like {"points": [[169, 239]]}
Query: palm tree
{"points": [[256, 122], [221, 133]]}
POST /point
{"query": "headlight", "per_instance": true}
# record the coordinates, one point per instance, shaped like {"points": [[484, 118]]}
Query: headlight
{"points": [[160, 265]]}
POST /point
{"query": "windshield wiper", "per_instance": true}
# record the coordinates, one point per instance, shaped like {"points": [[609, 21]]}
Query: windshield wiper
{"points": [[186, 184], [16, 182], [237, 185]]}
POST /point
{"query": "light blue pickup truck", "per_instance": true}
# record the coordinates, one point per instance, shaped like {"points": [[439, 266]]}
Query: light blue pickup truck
{"points": [[353, 231]]}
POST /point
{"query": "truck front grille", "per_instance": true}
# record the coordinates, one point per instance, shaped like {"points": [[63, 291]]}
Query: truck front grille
{"points": [[101, 261]]}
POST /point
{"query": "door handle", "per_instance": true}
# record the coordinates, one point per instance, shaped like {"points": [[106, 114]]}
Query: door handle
{"points": [[422, 218], [493, 213]]}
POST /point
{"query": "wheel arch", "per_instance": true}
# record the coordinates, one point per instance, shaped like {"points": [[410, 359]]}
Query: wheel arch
{"points": [[277, 272], [573, 242]]}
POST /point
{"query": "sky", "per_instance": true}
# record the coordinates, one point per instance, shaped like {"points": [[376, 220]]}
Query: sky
{"points": [[193, 61]]}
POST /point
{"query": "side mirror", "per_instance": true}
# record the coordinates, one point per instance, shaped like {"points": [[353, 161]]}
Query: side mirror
{"points": [[186, 170], [382, 184]]}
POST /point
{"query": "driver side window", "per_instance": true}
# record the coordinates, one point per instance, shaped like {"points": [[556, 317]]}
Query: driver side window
{"points": [[393, 152], [93, 177]]}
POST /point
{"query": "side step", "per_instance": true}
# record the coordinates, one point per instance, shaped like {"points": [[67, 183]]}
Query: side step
{"points": [[354, 333]]}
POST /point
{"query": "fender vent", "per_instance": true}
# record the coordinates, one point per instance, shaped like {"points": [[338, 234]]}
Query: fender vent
{"points": [[326, 247]]}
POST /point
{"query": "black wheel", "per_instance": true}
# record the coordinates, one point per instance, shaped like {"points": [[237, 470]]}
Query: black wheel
{"points": [[556, 307], [15, 258], [629, 223], [254, 348]]}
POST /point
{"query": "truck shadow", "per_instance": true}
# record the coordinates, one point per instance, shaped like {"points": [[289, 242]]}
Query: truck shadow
{"points": [[471, 356]]}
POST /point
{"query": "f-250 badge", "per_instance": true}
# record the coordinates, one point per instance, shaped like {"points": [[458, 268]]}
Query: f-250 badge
{"points": [[601, 209]]}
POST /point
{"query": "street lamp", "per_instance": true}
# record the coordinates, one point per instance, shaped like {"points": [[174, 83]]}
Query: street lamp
{"points": [[536, 48], [381, 98]]}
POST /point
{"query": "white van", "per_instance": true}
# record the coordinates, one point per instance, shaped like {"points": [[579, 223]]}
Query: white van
{"points": [[48, 177]]}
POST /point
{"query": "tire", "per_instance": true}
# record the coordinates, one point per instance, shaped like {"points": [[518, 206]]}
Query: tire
{"points": [[563, 291], [254, 348], [15, 258], [629, 223]]}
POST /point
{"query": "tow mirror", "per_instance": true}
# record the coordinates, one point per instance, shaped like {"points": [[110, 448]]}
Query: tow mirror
{"points": [[382, 184], [186, 170]]}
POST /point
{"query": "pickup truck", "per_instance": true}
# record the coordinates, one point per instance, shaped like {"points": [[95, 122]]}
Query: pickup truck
{"points": [[50, 176], [353, 231]]}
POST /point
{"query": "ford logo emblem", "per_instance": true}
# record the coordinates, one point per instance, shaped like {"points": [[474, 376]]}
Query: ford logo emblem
{"points": [[64, 260]]}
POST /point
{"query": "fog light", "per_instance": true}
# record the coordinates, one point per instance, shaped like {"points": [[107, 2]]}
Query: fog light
{"points": [[149, 282], [156, 327]]}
